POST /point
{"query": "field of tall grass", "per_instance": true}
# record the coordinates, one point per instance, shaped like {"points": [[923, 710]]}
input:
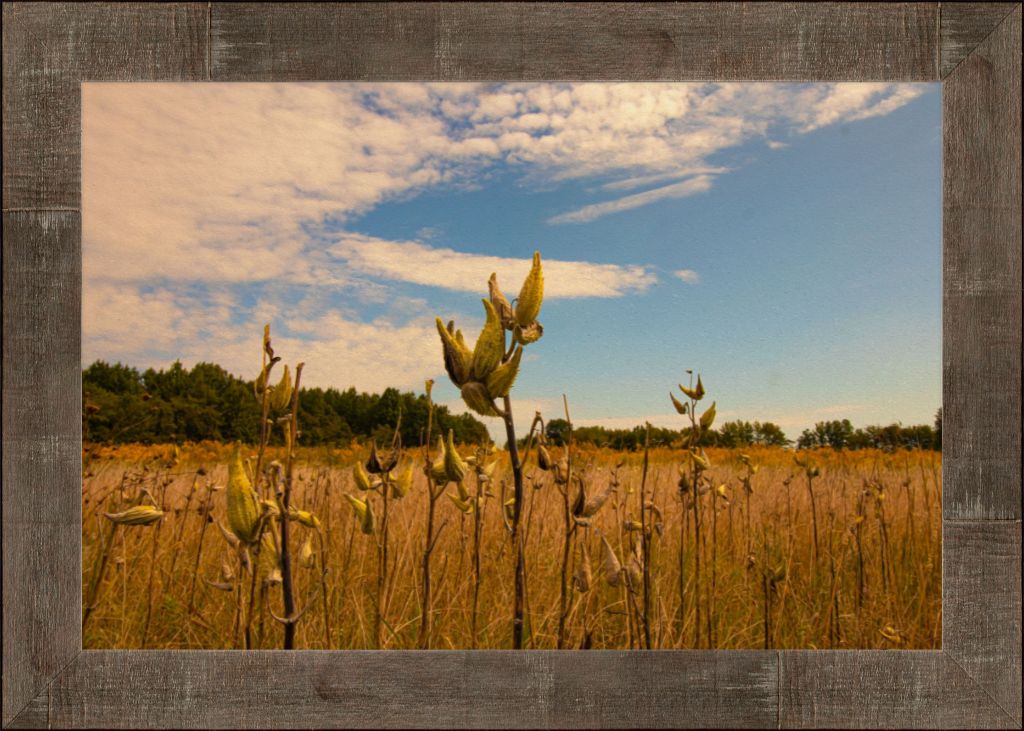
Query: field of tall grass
{"points": [[807, 549]]}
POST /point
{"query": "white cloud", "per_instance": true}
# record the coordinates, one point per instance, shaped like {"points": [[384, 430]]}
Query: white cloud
{"points": [[698, 184], [200, 198], [687, 275], [418, 263]]}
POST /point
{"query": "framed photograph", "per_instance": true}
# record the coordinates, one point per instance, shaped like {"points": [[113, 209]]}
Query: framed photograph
{"points": [[732, 440]]}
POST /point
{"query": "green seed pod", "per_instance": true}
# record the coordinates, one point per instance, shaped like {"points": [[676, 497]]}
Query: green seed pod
{"points": [[281, 395], [139, 515], [500, 381], [681, 408], [243, 505], [708, 417], [458, 361], [369, 524], [403, 483], [477, 398], [303, 517], [454, 466], [466, 506], [696, 393], [362, 479], [490, 345], [500, 303], [306, 556], [531, 295]]}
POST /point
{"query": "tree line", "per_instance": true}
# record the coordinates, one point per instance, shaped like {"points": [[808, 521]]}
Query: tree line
{"points": [[121, 404]]}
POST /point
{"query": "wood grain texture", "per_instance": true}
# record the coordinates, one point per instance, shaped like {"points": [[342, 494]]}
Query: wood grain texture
{"points": [[962, 26], [42, 517], [48, 49], [401, 689], [881, 689], [575, 41], [981, 606], [982, 280]]}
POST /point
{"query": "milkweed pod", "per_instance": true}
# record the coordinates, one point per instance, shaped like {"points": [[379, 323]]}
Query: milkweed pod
{"points": [[304, 517], [891, 633], [544, 458], [500, 303], [583, 576], [745, 459], [634, 571], [260, 384], [612, 567], [708, 417], [227, 574], [306, 555], [720, 491], [454, 465], [373, 462], [464, 505], [500, 380], [281, 395], [596, 501], [510, 508], [476, 397], [368, 523], [359, 505], [581, 498], [632, 525], [490, 345], [524, 335], [696, 393], [231, 538], [362, 479], [681, 408], [458, 361], [403, 483], [531, 295], [486, 471], [463, 492], [243, 506], [562, 471], [814, 471], [700, 460], [138, 515]]}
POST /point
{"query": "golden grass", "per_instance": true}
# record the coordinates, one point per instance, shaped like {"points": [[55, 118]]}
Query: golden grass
{"points": [[876, 582]]}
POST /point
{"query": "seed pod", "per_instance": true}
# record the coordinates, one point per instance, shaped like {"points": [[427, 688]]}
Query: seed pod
{"points": [[510, 508], [696, 393], [531, 295], [138, 515], [583, 576], [500, 381], [458, 361], [359, 505], [281, 395], [490, 345], [597, 500], [708, 417], [528, 334], [466, 506], [243, 506], [581, 498], [612, 567], [403, 483], [562, 471], [306, 556], [634, 570], [485, 472], [227, 573], [454, 466], [303, 517], [500, 303], [632, 525], [260, 385], [362, 479], [543, 458], [373, 463], [680, 406], [476, 397]]}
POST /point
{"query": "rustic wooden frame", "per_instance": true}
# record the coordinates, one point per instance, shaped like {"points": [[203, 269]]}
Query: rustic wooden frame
{"points": [[973, 49]]}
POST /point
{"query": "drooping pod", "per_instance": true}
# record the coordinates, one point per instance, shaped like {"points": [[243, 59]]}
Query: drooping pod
{"points": [[243, 506]]}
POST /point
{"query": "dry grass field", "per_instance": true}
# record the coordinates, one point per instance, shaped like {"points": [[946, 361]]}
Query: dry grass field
{"points": [[846, 558]]}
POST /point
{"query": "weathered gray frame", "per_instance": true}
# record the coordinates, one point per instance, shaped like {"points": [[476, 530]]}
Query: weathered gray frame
{"points": [[975, 50]]}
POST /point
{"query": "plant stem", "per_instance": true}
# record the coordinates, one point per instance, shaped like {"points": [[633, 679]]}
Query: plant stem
{"points": [[645, 540], [286, 563], [520, 558]]}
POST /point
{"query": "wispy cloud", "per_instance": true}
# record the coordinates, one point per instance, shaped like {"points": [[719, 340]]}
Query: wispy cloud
{"points": [[687, 275], [698, 184], [418, 263]]}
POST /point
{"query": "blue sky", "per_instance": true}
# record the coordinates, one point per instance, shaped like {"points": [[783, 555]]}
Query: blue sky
{"points": [[782, 239]]}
